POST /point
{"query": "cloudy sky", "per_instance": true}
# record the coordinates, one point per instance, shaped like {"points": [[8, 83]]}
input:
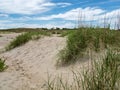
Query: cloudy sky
{"points": [[56, 13]]}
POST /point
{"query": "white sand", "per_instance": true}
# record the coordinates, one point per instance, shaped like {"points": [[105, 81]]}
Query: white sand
{"points": [[30, 64]]}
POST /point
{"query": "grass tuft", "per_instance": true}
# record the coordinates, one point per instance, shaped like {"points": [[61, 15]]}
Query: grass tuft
{"points": [[25, 37], [2, 65], [104, 74]]}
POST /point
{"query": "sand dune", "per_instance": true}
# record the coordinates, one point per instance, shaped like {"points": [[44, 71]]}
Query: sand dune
{"points": [[30, 64]]}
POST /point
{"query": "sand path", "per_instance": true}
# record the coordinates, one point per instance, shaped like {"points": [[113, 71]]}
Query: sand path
{"points": [[30, 63]]}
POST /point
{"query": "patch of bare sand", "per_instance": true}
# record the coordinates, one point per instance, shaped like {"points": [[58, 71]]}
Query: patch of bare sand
{"points": [[6, 38], [30, 64]]}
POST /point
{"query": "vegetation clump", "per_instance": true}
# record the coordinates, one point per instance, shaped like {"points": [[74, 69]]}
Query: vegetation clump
{"points": [[25, 37], [2, 65], [94, 38], [104, 74]]}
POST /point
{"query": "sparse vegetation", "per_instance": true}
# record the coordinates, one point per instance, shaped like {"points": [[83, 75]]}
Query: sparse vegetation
{"points": [[25, 37], [94, 38], [2, 65], [104, 74], [92, 41], [66, 33]]}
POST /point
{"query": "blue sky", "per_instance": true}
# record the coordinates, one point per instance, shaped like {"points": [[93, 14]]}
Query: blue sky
{"points": [[56, 13]]}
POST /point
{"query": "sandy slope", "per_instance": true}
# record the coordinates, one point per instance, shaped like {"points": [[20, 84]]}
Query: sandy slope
{"points": [[6, 38], [30, 64]]}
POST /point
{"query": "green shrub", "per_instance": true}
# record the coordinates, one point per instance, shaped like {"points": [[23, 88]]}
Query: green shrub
{"points": [[2, 65], [80, 40]]}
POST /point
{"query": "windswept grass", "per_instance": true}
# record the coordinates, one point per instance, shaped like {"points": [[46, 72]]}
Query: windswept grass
{"points": [[80, 40], [66, 33], [25, 37], [2, 65], [104, 74]]}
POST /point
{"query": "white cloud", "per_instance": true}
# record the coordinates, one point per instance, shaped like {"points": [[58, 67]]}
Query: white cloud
{"points": [[109, 17], [88, 13], [25, 6], [5, 21], [64, 4], [45, 25], [28, 6], [59, 24], [4, 15]]}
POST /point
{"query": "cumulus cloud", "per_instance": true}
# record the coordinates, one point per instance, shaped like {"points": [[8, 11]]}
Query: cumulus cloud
{"points": [[25, 6], [87, 13]]}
